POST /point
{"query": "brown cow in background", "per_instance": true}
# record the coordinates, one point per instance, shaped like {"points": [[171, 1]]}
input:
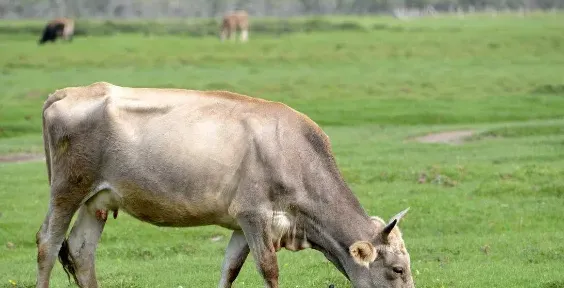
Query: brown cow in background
{"points": [[232, 21], [60, 27]]}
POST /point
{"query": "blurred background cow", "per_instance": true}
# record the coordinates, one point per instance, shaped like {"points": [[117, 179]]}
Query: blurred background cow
{"points": [[59, 27], [232, 21]]}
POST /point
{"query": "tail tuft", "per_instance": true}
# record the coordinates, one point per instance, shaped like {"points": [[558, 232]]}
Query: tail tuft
{"points": [[67, 261]]}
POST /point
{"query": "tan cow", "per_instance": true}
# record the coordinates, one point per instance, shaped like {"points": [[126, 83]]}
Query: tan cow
{"points": [[233, 20], [182, 158], [60, 27]]}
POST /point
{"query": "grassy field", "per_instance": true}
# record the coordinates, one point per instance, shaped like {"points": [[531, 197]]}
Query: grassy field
{"points": [[488, 214]]}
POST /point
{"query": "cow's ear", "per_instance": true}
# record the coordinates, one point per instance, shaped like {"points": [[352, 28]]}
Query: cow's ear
{"points": [[393, 222], [363, 252]]}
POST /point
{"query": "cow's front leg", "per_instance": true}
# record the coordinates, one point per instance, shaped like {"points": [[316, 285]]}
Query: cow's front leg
{"points": [[235, 255], [257, 233]]}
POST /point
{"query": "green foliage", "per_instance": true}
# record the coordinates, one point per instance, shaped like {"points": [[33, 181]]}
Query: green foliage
{"points": [[486, 213]]}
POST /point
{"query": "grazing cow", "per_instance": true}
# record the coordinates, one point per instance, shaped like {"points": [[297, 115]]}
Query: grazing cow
{"points": [[182, 158], [232, 21], [60, 27]]}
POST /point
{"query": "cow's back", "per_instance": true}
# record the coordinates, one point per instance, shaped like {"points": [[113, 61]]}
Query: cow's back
{"points": [[140, 118]]}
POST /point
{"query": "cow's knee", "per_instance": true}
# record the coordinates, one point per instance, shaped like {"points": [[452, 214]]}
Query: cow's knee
{"points": [[41, 241], [42, 254], [49, 240], [269, 266]]}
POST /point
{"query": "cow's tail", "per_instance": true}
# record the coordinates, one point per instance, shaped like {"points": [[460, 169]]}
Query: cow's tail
{"points": [[46, 147], [50, 100], [53, 97], [66, 259]]}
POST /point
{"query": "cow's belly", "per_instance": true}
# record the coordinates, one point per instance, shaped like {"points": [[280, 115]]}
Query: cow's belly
{"points": [[161, 208], [173, 210], [175, 189], [177, 173]]}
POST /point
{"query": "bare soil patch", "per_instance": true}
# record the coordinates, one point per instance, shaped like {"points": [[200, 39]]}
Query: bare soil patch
{"points": [[21, 157], [447, 137]]}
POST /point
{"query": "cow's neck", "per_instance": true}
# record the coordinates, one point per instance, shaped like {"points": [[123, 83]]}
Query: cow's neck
{"points": [[334, 219]]}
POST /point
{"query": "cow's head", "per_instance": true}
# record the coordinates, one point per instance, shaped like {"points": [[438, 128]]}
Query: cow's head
{"points": [[383, 261]]}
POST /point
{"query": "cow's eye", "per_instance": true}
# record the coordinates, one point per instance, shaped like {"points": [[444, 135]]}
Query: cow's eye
{"points": [[398, 269]]}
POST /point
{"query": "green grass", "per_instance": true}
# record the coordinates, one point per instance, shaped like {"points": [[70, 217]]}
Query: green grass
{"points": [[488, 215]]}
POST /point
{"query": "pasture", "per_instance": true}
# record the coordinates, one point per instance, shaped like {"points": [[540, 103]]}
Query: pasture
{"points": [[485, 212]]}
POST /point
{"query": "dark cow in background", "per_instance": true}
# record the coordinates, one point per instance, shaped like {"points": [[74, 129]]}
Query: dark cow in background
{"points": [[232, 21], [60, 27]]}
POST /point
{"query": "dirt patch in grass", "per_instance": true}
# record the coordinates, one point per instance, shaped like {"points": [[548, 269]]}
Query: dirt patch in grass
{"points": [[21, 157], [446, 137], [521, 131]]}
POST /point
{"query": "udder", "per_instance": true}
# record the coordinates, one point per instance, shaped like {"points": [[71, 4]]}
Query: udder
{"points": [[102, 203]]}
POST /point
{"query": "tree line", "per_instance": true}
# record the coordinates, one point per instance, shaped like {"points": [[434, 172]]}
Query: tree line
{"points": [[15, 9]]}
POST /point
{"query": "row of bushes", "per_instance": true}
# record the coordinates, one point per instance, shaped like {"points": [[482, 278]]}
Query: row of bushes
{"points": [[194, 28]]}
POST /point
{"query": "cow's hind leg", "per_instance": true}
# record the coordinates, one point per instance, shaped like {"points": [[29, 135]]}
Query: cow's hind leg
{"points": [[257, 233], [80, 251], [235, 256], [244, 35], [223, 34], [52, 232], [232, 34]]}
